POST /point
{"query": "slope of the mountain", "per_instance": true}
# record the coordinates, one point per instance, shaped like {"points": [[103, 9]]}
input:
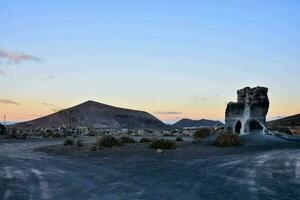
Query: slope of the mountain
{"points": [[184, 123], [291, 121], [97, 115]]}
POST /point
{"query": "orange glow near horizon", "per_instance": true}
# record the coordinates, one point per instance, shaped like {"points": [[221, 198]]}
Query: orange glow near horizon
{"points": [[28, 111]]}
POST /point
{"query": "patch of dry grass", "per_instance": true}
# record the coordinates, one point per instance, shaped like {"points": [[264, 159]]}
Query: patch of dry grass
{"points": [[163, 144], [202, 133], [145, 140], [108, 141], [126, 139], [69, 141], [227, 139]]}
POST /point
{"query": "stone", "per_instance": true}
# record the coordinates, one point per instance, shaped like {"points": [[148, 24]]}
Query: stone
{"points": [[249, 112], [159, 151]]}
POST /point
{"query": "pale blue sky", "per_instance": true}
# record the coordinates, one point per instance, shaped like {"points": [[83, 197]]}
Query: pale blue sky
{"points": [[160, 56]]}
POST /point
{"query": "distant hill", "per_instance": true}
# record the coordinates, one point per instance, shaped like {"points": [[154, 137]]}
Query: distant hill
{"points": [[97, 115], [196, 123], [291, 121]]}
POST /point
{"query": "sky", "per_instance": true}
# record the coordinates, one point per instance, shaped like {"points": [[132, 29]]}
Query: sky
{"points": [[174, 59]]}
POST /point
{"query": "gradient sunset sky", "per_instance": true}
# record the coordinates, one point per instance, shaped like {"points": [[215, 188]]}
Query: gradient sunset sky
{"points": [[174, 59]]}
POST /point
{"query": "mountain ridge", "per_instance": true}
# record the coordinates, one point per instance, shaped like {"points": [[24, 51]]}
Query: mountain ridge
{"points": [[93, 114], [293, 120]]}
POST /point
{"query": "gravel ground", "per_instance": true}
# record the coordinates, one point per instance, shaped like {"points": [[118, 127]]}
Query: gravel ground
{"points": [[264, 167]]}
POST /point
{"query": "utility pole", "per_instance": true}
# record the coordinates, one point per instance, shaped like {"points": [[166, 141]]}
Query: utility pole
{"points": [[4, 120]]}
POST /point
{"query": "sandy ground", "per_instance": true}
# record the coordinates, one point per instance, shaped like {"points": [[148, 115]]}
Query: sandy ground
{"points": [[270, 169]]}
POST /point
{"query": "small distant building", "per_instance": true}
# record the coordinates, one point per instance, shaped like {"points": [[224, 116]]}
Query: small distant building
{"points": [[81, 131], [124, 131]]}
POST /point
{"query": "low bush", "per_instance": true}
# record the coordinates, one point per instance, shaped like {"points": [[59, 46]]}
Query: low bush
{"points": [[126, 139], [163, 144], [68, 141], [17, 134], [202, 133], [92, 133], [227, 139], [22, 136], [12, 134], [93, 147], [107, 141], [179, 139], [51, 134], [145, 140], [79, 143]]}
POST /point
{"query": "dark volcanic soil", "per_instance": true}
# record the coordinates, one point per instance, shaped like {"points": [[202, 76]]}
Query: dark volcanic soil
{"points": [[270, 169]]}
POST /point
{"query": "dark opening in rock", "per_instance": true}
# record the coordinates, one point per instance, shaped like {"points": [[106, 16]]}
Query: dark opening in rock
{"points": [[238, 127], [254, 125]]}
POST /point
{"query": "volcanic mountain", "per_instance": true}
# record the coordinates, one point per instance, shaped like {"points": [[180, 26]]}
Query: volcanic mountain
{"points": [[97, 115], [184, 123]]}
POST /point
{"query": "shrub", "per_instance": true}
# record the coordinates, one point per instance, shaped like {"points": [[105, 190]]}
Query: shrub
{"points": [[163, 144], [69, 141], [202, 133], [17, 134], [130, 132], [51, 134], [93, 147], [126, 139], [179, 139], [92, 133], [107, 141], [227, 140], [12, 133], [67, 133], [79, 143], [22, 136], [149, 131], [145, 140]]}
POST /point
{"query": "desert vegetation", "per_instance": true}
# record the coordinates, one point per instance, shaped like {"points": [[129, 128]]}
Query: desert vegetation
{"points": [[51, 134], [108, 141], [145, 140], [69, 141], [126, 139], [79, 143], [202, 133], [92, 133], [179, 139], [93, 147], [163, 144], [16, 134], [227, 139]]}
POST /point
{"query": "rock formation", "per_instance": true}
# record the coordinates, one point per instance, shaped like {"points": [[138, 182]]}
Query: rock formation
{"points": [[249, 112]]}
